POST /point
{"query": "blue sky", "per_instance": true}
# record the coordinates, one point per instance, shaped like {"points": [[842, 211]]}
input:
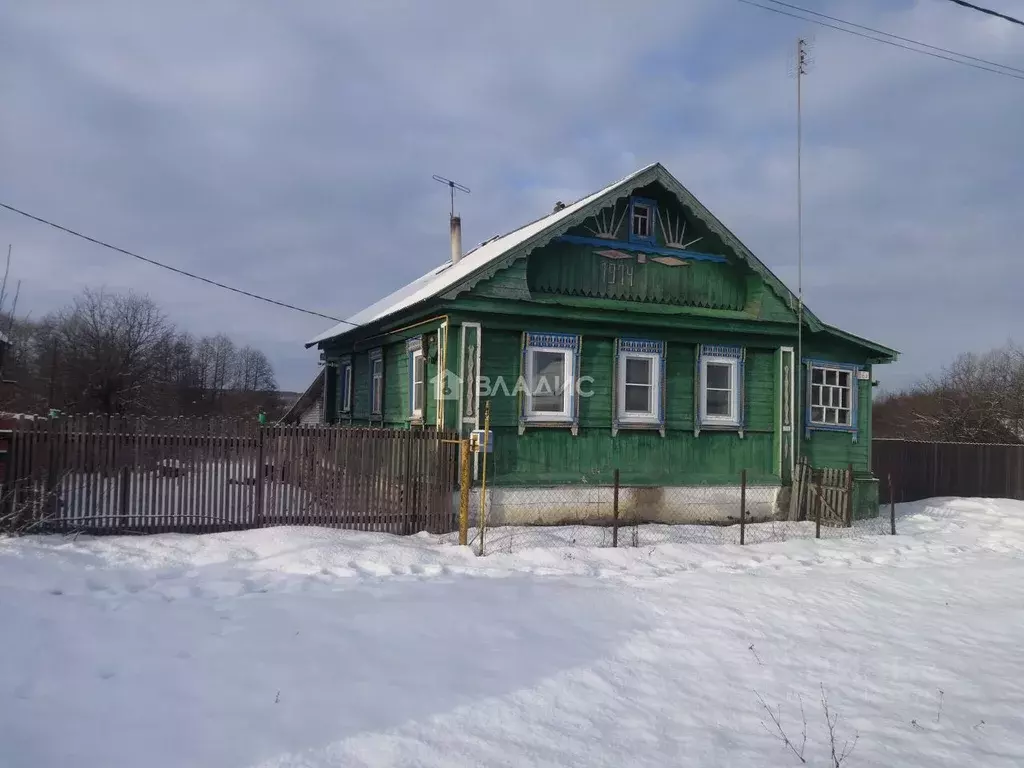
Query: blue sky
{"points": [[288, 148]]}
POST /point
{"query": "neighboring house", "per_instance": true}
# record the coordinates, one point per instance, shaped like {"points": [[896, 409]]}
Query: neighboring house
{"points": [[643, 335], [308, 408]]}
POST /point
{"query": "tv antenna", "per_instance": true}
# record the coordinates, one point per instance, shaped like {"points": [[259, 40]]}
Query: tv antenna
{"points": [[454, 186]]}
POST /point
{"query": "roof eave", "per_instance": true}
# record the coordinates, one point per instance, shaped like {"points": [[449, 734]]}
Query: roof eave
{"points": [[883, 355]]}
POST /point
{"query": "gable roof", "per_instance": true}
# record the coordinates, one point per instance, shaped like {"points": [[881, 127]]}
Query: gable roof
{"points": [[305, 400], [494, 254]]}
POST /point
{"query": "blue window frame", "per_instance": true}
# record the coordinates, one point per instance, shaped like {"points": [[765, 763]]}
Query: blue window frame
{"points": [[719, 391], [639, 391], [642, 215], [831, 397], [550, 375]]}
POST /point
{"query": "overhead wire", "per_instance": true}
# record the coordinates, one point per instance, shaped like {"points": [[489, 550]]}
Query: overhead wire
{"points": [[898, 37], [176, 270], [988, 11], [1005, 70]]}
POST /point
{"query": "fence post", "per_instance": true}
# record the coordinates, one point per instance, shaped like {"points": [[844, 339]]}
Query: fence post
{"points": [[892, 507], [51, 510], [743, 507], [261, 478], [126, 479], [817, 503], [615, 508], [482, 522], [849, 495], [463, 492]]}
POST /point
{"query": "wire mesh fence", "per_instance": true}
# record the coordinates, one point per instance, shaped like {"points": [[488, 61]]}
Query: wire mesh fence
{"points": [[508, 520]]}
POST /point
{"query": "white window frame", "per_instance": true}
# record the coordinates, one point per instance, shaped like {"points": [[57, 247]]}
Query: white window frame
{"points": [[850, 407], [714, 419], [376, 384], [417, 388], [633, 217], [652, 416], [568, 387], [345, 383]]}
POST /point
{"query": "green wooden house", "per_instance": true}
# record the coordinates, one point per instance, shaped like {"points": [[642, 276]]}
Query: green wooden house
{"points": [[630, 330]]}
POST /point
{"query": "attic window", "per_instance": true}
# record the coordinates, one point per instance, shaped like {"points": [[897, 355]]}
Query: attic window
{"points": [[641, 220]]}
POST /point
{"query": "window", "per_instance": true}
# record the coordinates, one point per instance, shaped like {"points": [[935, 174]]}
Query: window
{"points": [[549, 378], [720, 391], [831, 396], [641, 220], [376, 383], [417, 379], [639, 365], [345, 381]]}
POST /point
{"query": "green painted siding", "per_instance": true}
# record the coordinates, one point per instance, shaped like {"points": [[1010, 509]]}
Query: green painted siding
{"points": [[597, 361], [396, 385], [865, 497], [554, 456], [774, 309], [550, 455], [680, 369], [578, 270], [509, 283], [760, 376], [396, 388], [360, 386], [838, 449], [500, 357]]}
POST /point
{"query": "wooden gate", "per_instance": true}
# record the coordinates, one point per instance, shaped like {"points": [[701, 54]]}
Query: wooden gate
{"points": [[826, 492]]}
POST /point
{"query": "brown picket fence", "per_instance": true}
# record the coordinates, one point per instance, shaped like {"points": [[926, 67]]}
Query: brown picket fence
{"points": [[125, 475]]}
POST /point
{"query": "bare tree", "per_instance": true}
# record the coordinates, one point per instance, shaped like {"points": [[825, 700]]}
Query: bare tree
{"points": [[111, 351], [114, 353], [977, 398]]}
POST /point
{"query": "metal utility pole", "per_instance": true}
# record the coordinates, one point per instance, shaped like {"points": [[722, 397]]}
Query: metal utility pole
{"points": [[801, 70]]}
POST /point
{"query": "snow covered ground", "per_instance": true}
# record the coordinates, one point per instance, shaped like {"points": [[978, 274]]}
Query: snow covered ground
{"points": [[310, 647]]}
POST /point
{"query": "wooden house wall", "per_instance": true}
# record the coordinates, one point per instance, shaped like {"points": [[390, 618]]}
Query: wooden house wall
{"points": [[552, 455]]}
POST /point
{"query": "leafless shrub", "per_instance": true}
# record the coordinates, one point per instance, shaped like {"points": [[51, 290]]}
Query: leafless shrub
{"points": [[832, 719], [776, 717], [26, 509], [837, 754]]}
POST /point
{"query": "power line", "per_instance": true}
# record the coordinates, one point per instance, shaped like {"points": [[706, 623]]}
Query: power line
{"points": [[207, 280], [897, 37], [1004, 72], [990, 12]]}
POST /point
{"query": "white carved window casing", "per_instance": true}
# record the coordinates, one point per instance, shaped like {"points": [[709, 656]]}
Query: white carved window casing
{"points": [[417, 383], [345, 382], [376, 383], [719, 390]]}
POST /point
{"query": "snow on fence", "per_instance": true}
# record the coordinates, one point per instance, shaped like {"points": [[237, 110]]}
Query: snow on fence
{"points": [[116, 475]]}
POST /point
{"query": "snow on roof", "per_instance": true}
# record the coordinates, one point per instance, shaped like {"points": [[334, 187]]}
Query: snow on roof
{"points": [[447, 275]]}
